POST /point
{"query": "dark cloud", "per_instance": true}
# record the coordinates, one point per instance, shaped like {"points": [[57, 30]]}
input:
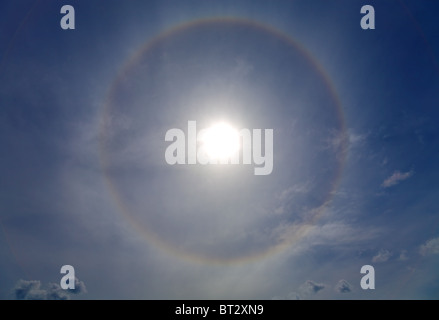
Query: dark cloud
{"points": [[79, 287], [55, 292], [311, 287], [32, 290], [343, 287], [29, 290]]}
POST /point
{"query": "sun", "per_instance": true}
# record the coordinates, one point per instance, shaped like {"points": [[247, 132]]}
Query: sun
{"points": [[220, 141]]}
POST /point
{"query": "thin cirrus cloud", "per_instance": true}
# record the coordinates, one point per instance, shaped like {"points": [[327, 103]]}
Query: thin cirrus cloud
{"points": [[382, 256], [396, 178]]}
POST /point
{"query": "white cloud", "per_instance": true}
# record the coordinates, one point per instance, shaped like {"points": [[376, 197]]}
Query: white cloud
{"points": [[396, 178], [430, 247], [343, 287], [382, 256]]}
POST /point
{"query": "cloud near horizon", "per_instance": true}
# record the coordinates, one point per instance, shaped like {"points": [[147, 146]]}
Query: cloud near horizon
{"points": [[33, 290], [310, 288], [306, 290], [343, 287]]}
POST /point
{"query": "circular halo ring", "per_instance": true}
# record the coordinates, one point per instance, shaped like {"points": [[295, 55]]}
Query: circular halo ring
{"points": [[128, 66]]}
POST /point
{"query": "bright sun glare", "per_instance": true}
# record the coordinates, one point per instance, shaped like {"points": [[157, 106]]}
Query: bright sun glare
{"points": [[220, 141]]}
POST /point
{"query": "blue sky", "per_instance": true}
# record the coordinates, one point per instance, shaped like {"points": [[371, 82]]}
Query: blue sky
{"points": [[83, 116]]}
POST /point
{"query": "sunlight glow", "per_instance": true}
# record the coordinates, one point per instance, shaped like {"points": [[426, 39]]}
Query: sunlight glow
{"points": [[220, 141]]}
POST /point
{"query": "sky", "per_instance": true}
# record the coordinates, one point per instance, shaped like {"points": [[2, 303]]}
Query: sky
{"points": [[84, 181]]}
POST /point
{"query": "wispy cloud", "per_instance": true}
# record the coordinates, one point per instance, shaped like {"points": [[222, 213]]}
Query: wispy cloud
{"points": [[339, 139], [288, 193], [343, 287], [338, 142], [403, 255], [356, 139], [33, 290], [382, 256], [396, 178], [341, 233], [430, 247]]}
